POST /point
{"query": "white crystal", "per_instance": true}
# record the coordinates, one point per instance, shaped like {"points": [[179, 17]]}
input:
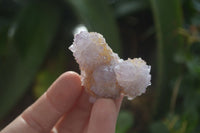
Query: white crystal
{"points": [[133, 76], [103, 73], [105, 82]]}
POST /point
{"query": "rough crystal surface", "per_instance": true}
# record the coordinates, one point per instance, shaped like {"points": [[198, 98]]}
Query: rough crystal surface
{"points": [[103, 73]]}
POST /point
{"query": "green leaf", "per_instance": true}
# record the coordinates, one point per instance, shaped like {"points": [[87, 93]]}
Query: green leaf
{"points": [[3, 34], [124, 122], [34, 32], [168, 19], [98, 17], [126, 7], [4, 27], [44, 79], [158, 127], [50, 72]]}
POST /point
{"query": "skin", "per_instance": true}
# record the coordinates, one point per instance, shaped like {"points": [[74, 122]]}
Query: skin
{"points": [[65, 108]]}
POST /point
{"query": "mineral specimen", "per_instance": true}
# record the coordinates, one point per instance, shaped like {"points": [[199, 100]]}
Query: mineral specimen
{"points": [[103, 73]]}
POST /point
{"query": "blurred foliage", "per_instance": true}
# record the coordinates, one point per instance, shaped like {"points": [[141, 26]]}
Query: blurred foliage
{"points": [[35, 35], [125, 121], [29, 39], [167, 23]]}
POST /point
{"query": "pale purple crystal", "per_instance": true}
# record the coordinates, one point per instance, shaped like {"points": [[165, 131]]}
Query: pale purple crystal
{"points": [[103, 73]]}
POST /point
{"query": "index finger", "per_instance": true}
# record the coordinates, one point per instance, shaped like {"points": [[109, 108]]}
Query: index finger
{"points": [[46, 111]]}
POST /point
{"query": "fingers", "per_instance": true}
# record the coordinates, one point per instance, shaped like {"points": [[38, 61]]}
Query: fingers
{"points": [[18, 125], [46, 111], [76, 120], [118, 102], [103, 116]]}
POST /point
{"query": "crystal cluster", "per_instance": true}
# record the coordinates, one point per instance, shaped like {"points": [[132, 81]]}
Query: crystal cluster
{"points": [[103, 73]]}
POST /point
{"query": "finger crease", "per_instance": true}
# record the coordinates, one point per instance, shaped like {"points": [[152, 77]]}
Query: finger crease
{"points": [[36, 126], [52, 104]]}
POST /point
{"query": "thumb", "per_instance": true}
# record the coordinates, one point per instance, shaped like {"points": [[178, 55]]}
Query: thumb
{"points": [[103, 116]]}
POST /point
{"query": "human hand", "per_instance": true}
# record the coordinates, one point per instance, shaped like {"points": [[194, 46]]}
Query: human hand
{"points": [[65, 108]]}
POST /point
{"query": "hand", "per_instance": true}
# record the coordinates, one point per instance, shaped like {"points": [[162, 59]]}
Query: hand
{"points": [[65, 108]]}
